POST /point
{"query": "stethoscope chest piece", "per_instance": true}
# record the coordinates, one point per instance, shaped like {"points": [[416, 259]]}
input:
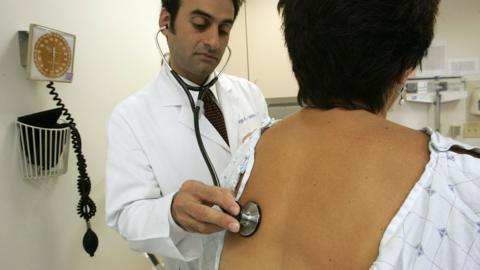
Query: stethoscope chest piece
{"points": [[249, 218]]}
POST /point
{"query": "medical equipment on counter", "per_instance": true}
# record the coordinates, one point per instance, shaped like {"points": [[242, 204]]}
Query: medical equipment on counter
{"points": [[250, 215], [475, 107], [436, 90]]}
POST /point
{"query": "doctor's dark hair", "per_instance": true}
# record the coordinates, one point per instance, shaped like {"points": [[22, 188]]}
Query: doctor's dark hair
{"points": [[172, 7], [351, 53]]}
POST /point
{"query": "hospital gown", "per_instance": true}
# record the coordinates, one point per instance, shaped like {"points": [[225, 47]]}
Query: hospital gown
{"points": [[438, 225]]}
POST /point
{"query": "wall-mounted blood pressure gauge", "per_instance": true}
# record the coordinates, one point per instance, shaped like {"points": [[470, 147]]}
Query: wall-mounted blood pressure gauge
{"points": [[50, 54]]}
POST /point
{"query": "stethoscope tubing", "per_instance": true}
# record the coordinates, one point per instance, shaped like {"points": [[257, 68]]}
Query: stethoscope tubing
{"points": [[196, 106], [208, 162]]}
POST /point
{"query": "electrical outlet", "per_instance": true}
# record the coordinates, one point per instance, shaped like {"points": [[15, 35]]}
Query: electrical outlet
{"points": [[455, 131], [471, 130]]}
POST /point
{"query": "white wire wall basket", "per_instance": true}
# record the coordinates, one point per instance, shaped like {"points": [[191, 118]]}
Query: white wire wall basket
{"points": [[43, 151]]}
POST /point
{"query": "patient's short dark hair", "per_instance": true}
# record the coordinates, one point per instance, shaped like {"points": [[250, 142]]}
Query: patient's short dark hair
{"points": [[350, 53]]}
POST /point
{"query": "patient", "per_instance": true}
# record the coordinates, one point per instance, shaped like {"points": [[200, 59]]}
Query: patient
{"points": [[341, 187]]}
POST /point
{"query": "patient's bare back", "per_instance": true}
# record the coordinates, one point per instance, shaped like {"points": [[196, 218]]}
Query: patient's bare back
{"points": [[328, 184]]}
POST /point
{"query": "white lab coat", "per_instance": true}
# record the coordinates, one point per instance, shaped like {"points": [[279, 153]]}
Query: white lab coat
{"points": [[152, 150]]}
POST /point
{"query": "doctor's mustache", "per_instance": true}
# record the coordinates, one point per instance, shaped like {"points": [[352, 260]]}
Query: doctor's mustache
{"points": [[212, 52]]}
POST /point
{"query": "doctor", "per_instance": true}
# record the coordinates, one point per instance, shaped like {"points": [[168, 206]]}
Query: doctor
{"points": [[159, 190]]}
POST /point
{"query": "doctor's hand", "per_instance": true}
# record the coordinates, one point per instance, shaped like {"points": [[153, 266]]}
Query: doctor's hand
{"points": [[192, 208]]}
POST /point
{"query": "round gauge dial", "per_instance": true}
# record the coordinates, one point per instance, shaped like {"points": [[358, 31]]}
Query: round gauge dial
{"points": [[52, 55]]}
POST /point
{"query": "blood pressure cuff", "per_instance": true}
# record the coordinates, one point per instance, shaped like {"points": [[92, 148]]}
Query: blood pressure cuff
{"points": [[40, 133]]}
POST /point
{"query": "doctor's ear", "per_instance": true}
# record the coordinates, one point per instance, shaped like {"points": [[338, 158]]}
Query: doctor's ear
{"points": [[164, 20]]}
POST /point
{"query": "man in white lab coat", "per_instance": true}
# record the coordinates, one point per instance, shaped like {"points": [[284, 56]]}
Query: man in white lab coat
{"points": [[159, 190]]}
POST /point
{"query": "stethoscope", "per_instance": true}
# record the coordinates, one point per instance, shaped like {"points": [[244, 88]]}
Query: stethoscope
{"points": [[249, 216]]}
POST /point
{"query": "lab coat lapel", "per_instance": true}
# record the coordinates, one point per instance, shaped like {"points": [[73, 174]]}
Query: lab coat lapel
{"points": [[207, 130], [174, 95], [229, 105]]}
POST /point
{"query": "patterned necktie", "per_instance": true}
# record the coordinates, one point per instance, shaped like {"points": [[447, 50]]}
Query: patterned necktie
{"points": [[214, 114]]}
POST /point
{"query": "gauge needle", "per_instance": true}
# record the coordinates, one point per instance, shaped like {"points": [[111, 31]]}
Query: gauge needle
{"points": [[53, 59]]}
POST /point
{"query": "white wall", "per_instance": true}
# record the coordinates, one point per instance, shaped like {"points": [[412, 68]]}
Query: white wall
{"points": [[269, 64]]}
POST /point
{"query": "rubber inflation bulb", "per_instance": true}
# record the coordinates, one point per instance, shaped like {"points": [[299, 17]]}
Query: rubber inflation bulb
{"points": [[90, 242]]}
